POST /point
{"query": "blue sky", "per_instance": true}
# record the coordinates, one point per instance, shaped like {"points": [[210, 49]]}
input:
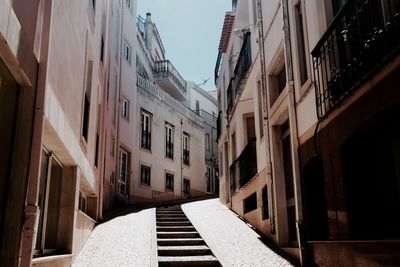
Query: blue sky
{"points": [[190, 31]]}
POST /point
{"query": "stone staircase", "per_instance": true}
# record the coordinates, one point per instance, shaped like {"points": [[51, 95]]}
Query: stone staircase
{"points": [[179, 244]]}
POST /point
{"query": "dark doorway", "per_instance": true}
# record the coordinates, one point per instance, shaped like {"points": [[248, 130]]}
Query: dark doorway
{"points": [[9, 94], [371, 166], [315, 212]]}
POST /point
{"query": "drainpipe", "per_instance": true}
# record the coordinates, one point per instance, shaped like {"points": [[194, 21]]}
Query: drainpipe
{"points": [[31, 207], [121, 22], [293, 129], [266, 103], [181, 188]]}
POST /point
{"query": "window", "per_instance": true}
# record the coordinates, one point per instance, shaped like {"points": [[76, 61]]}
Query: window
{"points": [[207, 141], [82, 202], [301, 48], [277, 81], [145, 175], [146, 129], [169, 141], [197, 107], [127, 52], [186, 151], [128, 4], [97, 145], [125, 108], [265, 211], [186, 186], [169, 181], [102, 49], [250, 203], [51, 173], [86, 105], [123, 171], [208, 176]]}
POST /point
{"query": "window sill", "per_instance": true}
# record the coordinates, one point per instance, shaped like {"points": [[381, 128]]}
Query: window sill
{"points": [[51, 258], [145, 149]]}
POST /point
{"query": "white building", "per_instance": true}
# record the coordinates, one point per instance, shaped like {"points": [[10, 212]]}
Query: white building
{"points": [[161, 141]]}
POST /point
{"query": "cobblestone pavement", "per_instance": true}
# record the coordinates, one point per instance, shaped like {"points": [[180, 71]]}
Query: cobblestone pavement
{"points": [[233, 242], [123, 241]]}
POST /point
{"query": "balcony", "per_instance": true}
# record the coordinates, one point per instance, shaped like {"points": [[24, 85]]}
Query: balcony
{"points": [[245, 166], [219, 121], [247, 163], [241, 74], [168, 78], [363, 37]]}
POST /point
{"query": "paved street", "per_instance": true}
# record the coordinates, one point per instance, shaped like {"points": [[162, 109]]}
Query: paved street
{"points": [[131, 240]]}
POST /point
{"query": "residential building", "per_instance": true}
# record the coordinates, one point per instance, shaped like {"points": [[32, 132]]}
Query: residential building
{"points": [[307, 115], [55, 67], [157, 136], [205, 105], [120, 101]]}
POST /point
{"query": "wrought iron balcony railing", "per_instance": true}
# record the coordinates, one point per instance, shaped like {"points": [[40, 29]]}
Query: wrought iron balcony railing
{"points": [[247, 163], [169, 150], [164, 69], [146, 139], [186, 157], [363, 37], [219, 124], [241, 73]]}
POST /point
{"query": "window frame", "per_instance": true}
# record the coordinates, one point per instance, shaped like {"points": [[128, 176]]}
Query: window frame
{"points": [[143, 167], [186, 149], [127, 53], [169, 139], [167, 176], [125, 108], [143, 115], [124, 181]]}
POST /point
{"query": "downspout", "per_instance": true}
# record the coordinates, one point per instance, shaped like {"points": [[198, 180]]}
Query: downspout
{"points": [[121, 21], [181, 188], [294, 129], [31, 207], [265, 92]]}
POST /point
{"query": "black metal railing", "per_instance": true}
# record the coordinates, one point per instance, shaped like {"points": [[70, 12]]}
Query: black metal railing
{"points": [[186, 157], [363, 36], [247, 163], [219, 125], [146, 139], [217, 66], [169, 150], [241, 72], [165, 69]]}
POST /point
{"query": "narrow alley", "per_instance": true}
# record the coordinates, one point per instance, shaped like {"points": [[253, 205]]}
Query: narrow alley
{"points": [[131, 240]]}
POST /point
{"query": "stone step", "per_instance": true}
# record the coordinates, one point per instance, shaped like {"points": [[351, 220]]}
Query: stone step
{"points": [[183, 223], [178, 235], [172, 219], [188, 261], [180, 241], [175, 229], [183, 250], [171, 216], [170, 212]]}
